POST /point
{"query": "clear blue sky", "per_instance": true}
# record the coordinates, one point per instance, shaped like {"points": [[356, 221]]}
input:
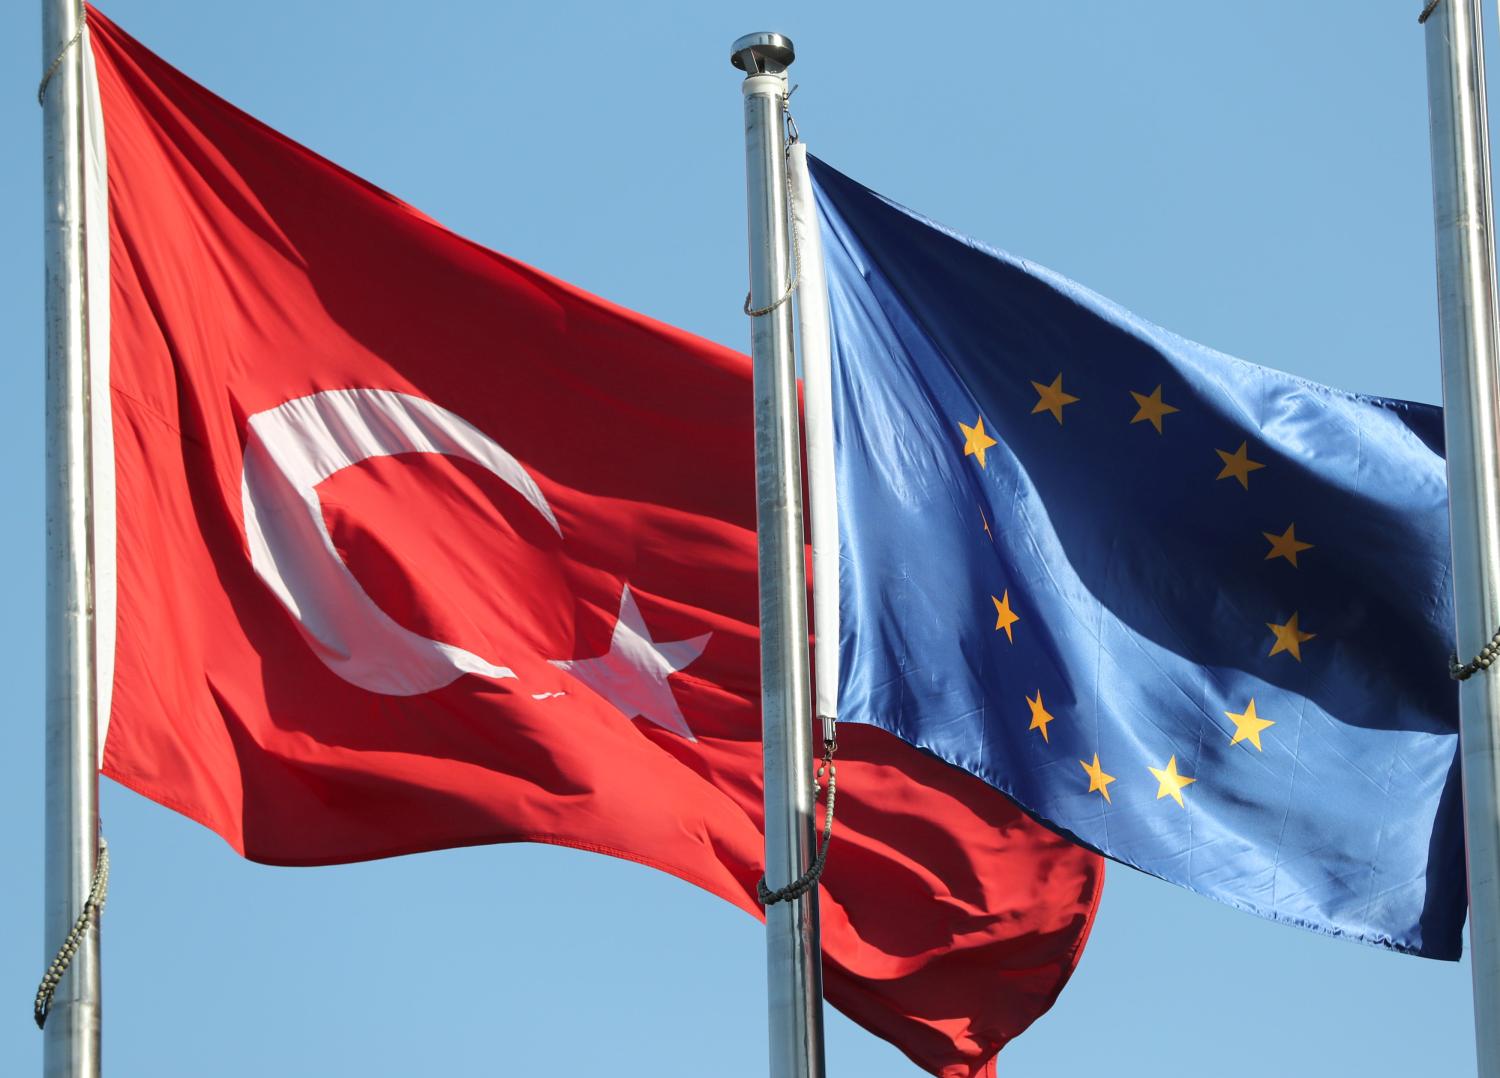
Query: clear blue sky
{"points": [[1254, 176]]}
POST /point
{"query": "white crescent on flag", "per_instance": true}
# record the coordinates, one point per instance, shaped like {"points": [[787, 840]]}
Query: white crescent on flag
{"points": [[297, 445]]}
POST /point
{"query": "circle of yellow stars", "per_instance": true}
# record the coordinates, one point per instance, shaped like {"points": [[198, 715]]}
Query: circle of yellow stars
{"points": [[1288, 636]]}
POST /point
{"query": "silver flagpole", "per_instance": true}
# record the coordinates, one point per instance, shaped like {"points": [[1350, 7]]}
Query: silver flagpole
{"points": [[1469, 330], [71, 1035], [793, 960]]}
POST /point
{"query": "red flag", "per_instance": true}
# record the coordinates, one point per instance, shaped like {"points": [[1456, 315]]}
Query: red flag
{"points": [[419, 547]]}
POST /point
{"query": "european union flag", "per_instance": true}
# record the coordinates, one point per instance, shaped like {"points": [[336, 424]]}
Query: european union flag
{"points": [[1193, 612]]}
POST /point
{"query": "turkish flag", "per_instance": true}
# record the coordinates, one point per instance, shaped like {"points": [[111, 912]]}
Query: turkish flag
{"points": [[418, 547]]}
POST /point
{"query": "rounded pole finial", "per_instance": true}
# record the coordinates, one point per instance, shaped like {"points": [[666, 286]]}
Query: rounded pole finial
{"points": [[762, 54]]}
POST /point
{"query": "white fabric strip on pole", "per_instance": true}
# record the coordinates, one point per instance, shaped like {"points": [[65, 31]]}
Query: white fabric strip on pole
{"points": [[794, 973], [1469, 330], [101, 423], [817, 397], [71, 1036]]}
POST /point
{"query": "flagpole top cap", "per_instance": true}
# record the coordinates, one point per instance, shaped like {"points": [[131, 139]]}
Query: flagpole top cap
{"points": [[762, 54]]}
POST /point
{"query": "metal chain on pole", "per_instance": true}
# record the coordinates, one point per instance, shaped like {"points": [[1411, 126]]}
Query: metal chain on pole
{"points": [[809, 879], [1483, 661], [41, 90], [93, 906], [791, 284]]}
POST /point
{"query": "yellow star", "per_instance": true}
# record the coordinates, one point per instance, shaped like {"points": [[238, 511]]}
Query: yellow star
{"points": [[1004, 618], [1289, 638], [1247, 727], [1098, 780], [1152, 408], [1286, 545], [1238, 464], [1052, 398], [1039, 716], [976, 441], [1169, 782]]}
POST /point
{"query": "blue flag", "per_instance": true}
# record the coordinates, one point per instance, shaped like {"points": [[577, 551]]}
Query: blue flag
{"points": [[1192, 612]]}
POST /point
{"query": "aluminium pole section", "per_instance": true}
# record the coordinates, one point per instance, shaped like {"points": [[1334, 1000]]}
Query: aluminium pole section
{"points": [[793, 958], [1467, 323], [70, 1040]]}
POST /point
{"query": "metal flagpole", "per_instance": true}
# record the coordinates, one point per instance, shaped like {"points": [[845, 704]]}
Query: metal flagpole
{"points": [[793, 960], [1469, 330], [71, 1035]]}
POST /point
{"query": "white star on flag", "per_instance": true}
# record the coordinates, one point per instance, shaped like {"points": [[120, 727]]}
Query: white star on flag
{"points": [[632, 675]]}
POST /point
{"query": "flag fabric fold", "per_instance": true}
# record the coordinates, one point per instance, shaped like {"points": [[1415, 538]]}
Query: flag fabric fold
{"points": [[1194, 612], [419, 547]]}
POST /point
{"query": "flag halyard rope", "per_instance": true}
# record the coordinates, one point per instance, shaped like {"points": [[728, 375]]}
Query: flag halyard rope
{"points": [[791, 284], [41, 90], [1483, 661], [93, 906], [809, 879]]}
